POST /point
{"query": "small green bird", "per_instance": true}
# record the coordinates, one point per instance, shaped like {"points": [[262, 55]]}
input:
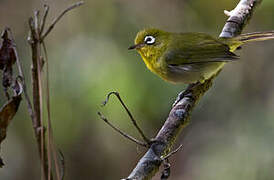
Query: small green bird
{"points": [[189, 57]]}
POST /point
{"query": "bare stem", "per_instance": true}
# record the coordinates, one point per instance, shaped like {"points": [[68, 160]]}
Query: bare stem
{"points": [[172, 152], [55, 21], [51, 145], [37, 93], [129, 114], [36, 39], [121, 132], [43, 22]]}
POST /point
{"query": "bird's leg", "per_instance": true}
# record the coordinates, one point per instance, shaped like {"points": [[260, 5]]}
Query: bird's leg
{"points": [[185, 93]]}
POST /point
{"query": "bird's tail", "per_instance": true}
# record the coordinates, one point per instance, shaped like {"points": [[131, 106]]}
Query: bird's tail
{"points": [[256, 36], [237, 41]]}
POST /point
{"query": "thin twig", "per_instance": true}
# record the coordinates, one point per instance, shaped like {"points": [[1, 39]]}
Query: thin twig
{"points": [[36, 23], [122, 133], [42, 134], [172, 152], [50, 132], [43, 22], [48, 112], [129, 114], [59, 17], [40, 92], [49, 117]]}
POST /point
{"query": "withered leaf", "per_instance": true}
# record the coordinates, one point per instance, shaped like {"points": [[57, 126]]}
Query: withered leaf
{"points": [[7, 112], [7, 54], [7, 59]]}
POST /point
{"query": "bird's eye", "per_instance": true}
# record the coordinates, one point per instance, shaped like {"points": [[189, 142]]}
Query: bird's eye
{"points": [[149, 40]]}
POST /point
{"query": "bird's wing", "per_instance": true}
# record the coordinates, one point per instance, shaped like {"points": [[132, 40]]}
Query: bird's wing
{"points": [[197, 48]]}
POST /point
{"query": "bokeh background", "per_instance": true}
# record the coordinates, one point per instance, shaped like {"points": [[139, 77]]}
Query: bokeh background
{"points": [[231, 131]]}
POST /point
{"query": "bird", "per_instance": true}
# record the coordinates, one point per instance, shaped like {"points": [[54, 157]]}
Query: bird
{"points": [[190, 57]]}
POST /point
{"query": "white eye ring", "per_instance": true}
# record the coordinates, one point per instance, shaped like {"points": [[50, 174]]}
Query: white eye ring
{"points": [[149, 40]]}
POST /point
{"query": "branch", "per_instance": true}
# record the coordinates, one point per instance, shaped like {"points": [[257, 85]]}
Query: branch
{"points": [[179, 115], [238, 17], [55, 21], [134, 122], [37, 120], [121, 132]]}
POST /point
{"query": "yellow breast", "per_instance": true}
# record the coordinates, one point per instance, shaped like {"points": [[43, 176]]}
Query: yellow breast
{"points": [[154, 64], [151, 61]]}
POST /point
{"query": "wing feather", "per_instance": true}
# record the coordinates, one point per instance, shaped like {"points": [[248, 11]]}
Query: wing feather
{"points": [[197, 48]]}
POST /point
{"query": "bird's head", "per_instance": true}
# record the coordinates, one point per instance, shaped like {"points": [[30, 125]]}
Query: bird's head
{"points": [[151, 43]]}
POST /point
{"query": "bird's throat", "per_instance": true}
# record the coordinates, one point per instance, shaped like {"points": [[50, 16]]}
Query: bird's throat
{"points": [[149, 60]]}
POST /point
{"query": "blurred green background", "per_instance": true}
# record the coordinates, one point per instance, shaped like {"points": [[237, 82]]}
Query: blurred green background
{"points": [[231, 131]]}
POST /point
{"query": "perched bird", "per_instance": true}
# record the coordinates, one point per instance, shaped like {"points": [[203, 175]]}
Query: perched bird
{"points": [[189, 57]]}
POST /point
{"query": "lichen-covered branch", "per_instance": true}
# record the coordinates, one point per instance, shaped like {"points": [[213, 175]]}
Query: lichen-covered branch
{"points": [[179, 115], [238, 17]]}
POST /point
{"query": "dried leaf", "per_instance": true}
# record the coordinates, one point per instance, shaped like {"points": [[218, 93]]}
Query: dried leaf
{"points": [[7, 77], [7, 59], [7, 54], [8, 111]]}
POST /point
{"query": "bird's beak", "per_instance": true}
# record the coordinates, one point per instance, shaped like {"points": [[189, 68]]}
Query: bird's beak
{"points": [[136, 46]]}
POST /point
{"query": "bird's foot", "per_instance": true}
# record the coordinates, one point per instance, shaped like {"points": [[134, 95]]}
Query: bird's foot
{"points": [[185, 93], [180, 96]]}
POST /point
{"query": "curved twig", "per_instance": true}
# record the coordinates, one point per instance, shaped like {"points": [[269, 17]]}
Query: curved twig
{"points": [[129, 114], [55, 21], [121, 132]]}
